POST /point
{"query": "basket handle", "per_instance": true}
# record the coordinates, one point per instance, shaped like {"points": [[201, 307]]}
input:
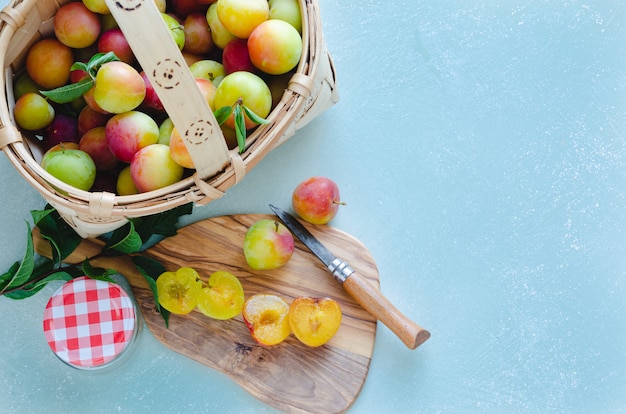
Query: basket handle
{"points": [[163, 63]]}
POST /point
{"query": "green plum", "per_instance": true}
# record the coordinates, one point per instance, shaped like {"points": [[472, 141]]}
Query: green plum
{"points": [[248, 89], [176, 30], [268, 244], [32, 112], [287, 10], [70, 165]]}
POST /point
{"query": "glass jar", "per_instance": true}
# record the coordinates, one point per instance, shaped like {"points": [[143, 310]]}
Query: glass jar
{"points": [[90, 324]]}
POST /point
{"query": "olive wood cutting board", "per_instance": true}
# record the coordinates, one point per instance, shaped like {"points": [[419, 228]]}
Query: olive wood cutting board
{"points": [[290, 377]]}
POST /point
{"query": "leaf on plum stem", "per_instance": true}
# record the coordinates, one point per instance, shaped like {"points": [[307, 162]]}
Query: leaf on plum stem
{"points": [[69, 92], [79, 66], [240, 112], [98, 60], [240, 128], [222, 114], [254, 117]]}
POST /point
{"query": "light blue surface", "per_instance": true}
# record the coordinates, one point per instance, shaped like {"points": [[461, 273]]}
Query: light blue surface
{"points": [[480, 148]]}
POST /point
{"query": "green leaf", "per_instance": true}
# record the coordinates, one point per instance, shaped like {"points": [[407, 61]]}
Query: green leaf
{"points": [[63, 239], [163, 224], [70, 92], [151, 269], [39, 215], [151, 229], [222, 114], [30, 289], [8, 276], [74, 270], [42, 268], [79, 66], [254, 117], [97, 273], [25, 270], [100, 59], [240, 128], [26, 278], [124, 240]]}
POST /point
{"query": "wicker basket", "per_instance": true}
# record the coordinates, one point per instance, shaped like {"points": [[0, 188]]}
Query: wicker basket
{"points": [[311, 90]]}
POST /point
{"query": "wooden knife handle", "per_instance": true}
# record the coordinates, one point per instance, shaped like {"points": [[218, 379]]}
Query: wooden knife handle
{"points": [[373, 301]]}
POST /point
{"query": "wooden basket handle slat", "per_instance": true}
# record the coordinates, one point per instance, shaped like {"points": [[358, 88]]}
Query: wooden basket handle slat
{"points": [[159, 56]]}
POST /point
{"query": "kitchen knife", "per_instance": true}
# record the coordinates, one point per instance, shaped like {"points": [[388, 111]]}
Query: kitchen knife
{"points": [[366, 294]]}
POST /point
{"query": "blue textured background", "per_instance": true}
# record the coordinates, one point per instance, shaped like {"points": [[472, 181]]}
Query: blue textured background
{"points": [[480, 148]]}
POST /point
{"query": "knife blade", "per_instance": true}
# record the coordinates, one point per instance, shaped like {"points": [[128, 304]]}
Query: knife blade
{"points": [[361, 290]]}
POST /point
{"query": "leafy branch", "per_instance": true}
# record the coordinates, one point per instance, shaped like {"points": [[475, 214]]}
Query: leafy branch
{"points": [[28, 276], [239, 111]]}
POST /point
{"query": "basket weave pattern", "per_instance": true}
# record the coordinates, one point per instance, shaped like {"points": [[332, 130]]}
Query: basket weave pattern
{"points": [[311, 90]]}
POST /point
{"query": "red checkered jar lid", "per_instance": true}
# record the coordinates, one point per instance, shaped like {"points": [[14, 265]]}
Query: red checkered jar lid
{"points": [[88, 323]]}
